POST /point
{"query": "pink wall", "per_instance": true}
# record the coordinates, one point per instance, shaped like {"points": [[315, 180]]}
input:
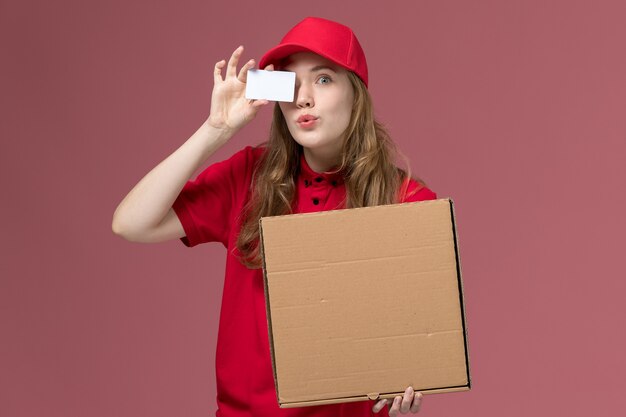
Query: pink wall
{"points": [[515, 109]]}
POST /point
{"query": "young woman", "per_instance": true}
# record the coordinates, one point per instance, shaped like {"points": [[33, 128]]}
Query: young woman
{"points": [[325, 152]]}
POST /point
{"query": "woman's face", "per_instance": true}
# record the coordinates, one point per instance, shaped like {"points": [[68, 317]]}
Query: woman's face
{"points": [[323, 92]]}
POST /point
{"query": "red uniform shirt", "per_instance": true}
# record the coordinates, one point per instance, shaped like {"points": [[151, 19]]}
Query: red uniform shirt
{"points": [[207, 208]]}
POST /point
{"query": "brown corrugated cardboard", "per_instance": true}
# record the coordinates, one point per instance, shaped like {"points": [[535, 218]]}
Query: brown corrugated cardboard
{"points": [[361, 303]]}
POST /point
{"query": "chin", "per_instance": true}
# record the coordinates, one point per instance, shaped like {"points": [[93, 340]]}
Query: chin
{"points": [[310, 143]]}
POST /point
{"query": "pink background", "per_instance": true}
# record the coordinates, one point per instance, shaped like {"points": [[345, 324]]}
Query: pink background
{"points": [[515, 109]]}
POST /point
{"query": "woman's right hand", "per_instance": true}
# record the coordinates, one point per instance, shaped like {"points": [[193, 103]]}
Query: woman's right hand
{"points": [[230, 109]]}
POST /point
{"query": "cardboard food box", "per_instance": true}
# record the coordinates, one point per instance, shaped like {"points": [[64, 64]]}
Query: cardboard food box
{"points": [[361, 303]]}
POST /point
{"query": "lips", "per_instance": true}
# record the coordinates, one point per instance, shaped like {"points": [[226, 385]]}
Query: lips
{"points": [[305, 118]]}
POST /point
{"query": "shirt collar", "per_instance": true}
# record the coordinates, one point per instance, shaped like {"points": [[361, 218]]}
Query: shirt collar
{"points": [[308, 176]]}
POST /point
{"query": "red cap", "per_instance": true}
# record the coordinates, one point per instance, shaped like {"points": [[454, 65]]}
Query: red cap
{"points": [[332, 40]]}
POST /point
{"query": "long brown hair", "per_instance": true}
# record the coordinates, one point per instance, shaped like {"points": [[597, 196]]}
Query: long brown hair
{"points": [[368, 160]]}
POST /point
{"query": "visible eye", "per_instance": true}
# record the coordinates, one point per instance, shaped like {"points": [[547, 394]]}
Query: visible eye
{"points": [[325, 77]]}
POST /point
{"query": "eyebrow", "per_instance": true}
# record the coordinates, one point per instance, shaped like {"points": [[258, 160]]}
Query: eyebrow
{"points": [[321, 67]]}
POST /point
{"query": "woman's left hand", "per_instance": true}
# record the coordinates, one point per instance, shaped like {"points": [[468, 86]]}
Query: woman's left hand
{"points": [[412, 401]]}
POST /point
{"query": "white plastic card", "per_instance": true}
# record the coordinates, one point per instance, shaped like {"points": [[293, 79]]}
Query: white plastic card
{"points": [[270, 85]]}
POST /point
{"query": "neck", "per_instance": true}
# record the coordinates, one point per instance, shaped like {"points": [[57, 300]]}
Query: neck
{"points": [[321, 162]]}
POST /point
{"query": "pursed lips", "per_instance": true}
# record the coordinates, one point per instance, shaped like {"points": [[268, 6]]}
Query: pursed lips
{"points": [[305, 118]]}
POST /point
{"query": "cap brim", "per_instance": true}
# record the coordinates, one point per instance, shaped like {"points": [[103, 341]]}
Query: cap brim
{"points": [[278, 53]]}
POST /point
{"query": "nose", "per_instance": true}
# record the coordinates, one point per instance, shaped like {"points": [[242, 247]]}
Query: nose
{"points": [[304, 97]]}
